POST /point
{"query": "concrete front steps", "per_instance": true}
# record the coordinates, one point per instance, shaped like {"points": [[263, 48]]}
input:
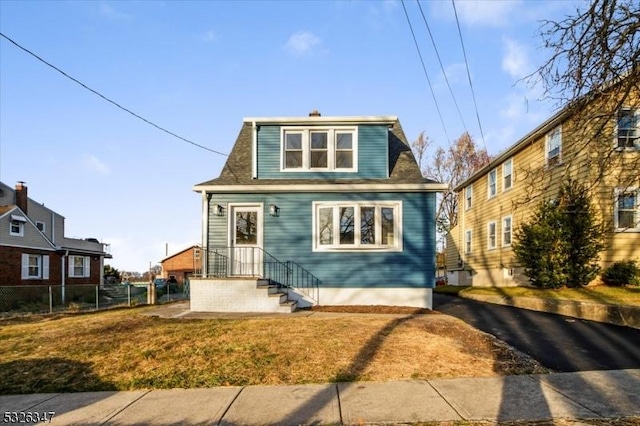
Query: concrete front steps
{"points": [[239, 295]]}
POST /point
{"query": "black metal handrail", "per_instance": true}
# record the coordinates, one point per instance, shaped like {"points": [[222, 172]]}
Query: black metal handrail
{"points": [[238, 261]]}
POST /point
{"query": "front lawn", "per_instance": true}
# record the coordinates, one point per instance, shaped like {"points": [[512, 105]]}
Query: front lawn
{"points": [[126, 350]]}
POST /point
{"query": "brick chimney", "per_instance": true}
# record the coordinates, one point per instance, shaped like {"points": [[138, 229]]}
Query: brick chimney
{"points": [[314, 113], [21, 196]]}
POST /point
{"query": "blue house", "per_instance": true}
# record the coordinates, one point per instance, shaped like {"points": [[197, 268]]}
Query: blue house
{"points": [[317, 210]]}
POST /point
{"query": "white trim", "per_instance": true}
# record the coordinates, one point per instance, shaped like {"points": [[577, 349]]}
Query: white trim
{"points": [[13, 221], [504, 187], [468, 232], [468, 197], [336, 187], [44, 226], [546, 146], [259, 209], [331, 150], [502, 227], [617, 193], [495, 235], [254, 150], [27, 247], [489, 195], [18, 218], [636, 145], [382, 119], [397, 245], [86, 265]]}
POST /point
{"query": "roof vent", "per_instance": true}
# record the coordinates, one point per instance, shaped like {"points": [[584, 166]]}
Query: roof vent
{"points": [[315, 113]]}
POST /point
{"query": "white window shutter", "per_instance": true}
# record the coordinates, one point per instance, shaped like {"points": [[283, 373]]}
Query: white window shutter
{"points": [[45, 267], [25, 266], [87, 266]]}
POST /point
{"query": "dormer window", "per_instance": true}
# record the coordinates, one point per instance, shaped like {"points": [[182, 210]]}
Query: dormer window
{"points": [[16, 226], [319, 149]]}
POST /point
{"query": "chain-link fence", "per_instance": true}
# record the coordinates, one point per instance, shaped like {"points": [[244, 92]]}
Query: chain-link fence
{"points": [[56, 298]]}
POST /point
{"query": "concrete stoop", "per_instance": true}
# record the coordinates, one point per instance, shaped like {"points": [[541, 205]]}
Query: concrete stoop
{"points": [[628, 316], [239, 295]]}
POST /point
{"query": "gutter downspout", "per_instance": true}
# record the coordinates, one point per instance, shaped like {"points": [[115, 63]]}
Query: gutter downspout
{"points": [[204, 256], [64, 275]]}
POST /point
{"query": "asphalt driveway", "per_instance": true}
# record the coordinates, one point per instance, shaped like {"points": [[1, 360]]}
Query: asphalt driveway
{"points": [[561, 343]]}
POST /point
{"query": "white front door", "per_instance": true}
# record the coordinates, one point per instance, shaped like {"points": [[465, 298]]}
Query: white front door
{"points": [[246, 240]]}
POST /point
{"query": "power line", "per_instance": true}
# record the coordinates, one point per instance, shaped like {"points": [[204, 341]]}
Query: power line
{"points": [[109, 100], [433, 42], [426, 74], [466, 62]]}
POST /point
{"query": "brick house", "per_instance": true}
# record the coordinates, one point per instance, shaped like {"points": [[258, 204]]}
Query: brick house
{"points": [[183, 264], [34, 249]]}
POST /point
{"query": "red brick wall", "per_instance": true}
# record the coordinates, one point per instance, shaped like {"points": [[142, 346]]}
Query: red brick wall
{"points": [[181, 264], [11, 268]]}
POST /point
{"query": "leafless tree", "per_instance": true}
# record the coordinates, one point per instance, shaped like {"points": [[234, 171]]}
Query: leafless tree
{"points": [[450, 166], [593, 74]]}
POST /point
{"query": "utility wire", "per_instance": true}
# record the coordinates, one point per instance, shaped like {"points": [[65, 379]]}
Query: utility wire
{"points": [[466, 62], [444, 73], [425, 72], [109, 100]]}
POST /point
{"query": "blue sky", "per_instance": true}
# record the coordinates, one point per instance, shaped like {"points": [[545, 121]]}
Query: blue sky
{"points": [[198, 68]]}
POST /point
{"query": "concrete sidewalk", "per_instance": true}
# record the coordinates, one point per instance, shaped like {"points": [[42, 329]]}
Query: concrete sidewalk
{"points": [[586, 395]]}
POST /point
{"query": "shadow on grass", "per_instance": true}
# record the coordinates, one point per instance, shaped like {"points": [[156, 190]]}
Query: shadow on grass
{"points": [[46, 375]]}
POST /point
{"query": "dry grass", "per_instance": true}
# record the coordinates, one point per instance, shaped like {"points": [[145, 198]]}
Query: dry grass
{"points": [[126, 349], [597, 293]]}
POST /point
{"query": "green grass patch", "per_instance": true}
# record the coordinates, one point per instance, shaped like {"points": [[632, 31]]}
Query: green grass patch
{"points": [[596, 294]]}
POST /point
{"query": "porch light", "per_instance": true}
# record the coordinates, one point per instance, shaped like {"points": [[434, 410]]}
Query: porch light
{"points": [[273, 210], [219, 210]]}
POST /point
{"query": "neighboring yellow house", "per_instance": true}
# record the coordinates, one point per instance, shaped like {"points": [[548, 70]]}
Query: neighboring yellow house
{"points": [[584, 143]]}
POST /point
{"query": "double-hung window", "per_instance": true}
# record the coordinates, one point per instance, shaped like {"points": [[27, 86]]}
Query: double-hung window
{"points": [[507, 174], [16, 225], [627, 130], [319, 149], [35, 267], [627, 209], [468, 240], [79, 266], [553, 150], [506, 231], [468, 196], [492, 183], [492, 235], [357, 226]]}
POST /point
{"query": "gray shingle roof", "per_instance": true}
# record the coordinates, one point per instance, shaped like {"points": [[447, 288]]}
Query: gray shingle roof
{"points": [[237, 170]]}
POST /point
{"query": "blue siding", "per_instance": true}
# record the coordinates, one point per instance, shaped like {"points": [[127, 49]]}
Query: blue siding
{"points": [[373, 163], [289, 237]]}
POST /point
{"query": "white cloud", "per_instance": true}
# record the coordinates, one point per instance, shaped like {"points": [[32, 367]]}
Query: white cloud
{"points": [[490, 13], [210, 36], [303, 42], [109, 12], [92, 163], [456, 73], [516, 59]]}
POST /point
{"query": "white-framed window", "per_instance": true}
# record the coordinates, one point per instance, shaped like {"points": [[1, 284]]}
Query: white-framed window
{"points": [[196, 253], [553, 151], [16, 225], [79, 266], [507, 174], [627, 209], [507, 226], [40, 225], [468, 240], [468, 196], [357, 226], [492, 235], [492, 183], [627, 129], [319, 148], [35, 266]]}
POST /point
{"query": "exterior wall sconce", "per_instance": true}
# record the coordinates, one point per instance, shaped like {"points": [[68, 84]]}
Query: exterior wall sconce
{"points": [[274, 210], [219, 210]]}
